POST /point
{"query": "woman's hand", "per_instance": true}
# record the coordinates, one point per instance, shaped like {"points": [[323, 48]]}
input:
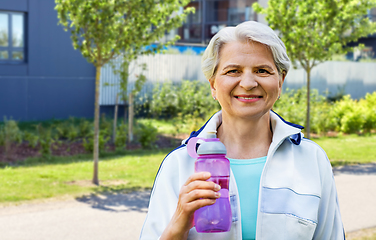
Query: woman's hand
{"points": [[196, 193]]}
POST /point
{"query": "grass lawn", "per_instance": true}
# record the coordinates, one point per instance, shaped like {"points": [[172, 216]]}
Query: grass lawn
{"points": [[132, 170], [349, 149], [70, 177], [365, 234]]}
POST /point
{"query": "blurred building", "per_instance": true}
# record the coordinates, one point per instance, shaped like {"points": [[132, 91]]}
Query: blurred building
{"points": [[43, 77], [212, 15]]}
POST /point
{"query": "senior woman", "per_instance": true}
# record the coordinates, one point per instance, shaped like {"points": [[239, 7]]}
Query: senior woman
{"points": [[281, 185]]}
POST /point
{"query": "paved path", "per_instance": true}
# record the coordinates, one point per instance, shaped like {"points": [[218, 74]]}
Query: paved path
{"points": [[93, 217], [121, 216], [356, 187]]}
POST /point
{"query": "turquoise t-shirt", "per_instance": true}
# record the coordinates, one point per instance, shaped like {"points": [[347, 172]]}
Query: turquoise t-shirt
{"points": [[247, 174]]}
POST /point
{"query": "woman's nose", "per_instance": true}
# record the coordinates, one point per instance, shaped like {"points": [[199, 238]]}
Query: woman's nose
{"points": [[248, 81]]}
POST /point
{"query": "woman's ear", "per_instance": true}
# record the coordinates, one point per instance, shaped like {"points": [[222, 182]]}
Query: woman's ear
{"points": [[213, 88], [282, 79], [280, 83]]}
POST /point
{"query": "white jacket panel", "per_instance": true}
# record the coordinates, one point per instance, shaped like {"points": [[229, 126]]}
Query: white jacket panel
{"points": [[297, 198]]}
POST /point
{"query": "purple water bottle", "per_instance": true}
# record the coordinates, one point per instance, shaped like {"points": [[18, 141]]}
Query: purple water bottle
{"points": [[211, 157]]}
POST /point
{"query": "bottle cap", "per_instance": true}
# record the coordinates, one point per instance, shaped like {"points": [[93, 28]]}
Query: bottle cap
{"points": [[214, 146]]}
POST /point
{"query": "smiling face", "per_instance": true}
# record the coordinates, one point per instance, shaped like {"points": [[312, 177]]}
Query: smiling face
{"points": [[246, 82]]}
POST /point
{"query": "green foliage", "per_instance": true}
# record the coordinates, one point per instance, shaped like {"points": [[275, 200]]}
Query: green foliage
{"points": [[146, 134], [62, 129], [45, 140], [67, 129], [315, 30], [165, 102], [105, 126], [352, 116], [345, 115], [369, 105], [85, 127], [32, 139], [86, 130], [190, 99], [103, 29], [121, 136], [88, 142], [73, 133], [291, 106], [9, 134]]}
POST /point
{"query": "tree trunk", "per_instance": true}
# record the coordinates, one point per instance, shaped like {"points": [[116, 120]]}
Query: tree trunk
{"points": [[308, 126], [130, 118], [125, 112], [115, 119], [96, 125], [124, 86]]}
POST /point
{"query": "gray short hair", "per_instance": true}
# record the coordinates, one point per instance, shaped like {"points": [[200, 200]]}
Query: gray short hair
{"points": [[246, 31]]}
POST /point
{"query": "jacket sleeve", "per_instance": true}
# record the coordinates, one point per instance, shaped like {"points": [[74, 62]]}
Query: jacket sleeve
{"points": [[329, 218], [163, 199]]}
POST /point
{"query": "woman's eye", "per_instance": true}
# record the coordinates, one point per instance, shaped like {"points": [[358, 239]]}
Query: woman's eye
{"points": [[262, 71], [232, 71]]}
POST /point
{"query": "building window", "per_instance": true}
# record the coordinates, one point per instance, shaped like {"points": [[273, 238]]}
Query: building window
{"points": [[372, 14], [213, 15], [12, 37], [191, 30]]}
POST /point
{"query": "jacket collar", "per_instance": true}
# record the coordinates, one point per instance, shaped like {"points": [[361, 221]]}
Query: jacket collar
{"points": [[281, 129]]}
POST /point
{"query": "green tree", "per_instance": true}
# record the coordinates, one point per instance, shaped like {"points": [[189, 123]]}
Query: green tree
{"points": [[104, 29], [314, 30]]}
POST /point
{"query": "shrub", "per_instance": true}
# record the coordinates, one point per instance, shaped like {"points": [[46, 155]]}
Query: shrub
{"points": [[348, 115], [322, 122], [121, 136], [369, 107], [105, 126], [62, 129], [340, 109], [165, 102], [85, 127], [88, 142], [146, 134], [9, 134], [72, 133], [352, 122], [45, 140], [195, 99], [293, 104], [188, 98], [32, 139]]}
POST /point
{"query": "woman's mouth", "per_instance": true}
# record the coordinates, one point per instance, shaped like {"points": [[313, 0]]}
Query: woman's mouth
{"points": [[248, 98], [252, 98]]}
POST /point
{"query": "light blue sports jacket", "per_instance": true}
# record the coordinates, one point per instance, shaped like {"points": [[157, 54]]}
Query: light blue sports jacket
{"points": [[297, 198]]}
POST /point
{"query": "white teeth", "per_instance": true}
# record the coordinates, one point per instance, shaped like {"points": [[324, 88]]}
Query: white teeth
{"points": [[247, 98]]}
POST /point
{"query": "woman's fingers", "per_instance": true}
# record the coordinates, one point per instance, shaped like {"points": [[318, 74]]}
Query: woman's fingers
{"points": [[199, 203], [203, 176], [197, 192], [198, 181]]}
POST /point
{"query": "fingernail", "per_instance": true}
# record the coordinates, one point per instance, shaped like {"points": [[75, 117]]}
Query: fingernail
{"points": [[206, 175], [217, 194], [217, 187]]}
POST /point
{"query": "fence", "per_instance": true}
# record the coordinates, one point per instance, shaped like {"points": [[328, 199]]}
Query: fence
{"points": [[354, 78]]}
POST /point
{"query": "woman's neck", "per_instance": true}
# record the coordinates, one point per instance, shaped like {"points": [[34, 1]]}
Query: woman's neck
{"points": [[246, 138]]}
